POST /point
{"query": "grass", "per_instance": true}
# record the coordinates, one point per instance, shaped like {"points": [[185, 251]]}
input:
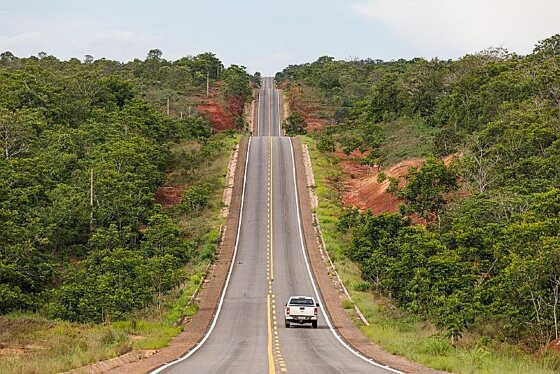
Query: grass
{"points": [[405, 139], [396, 331], [210, 172], [31, 343]]}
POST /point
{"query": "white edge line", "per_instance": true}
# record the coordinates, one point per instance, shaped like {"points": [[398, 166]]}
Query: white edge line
{"points": [[321, 303], [214, 321], [259, 115], [278, 110]]}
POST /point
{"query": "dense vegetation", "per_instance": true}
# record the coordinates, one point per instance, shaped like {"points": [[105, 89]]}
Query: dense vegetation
{"points": [[488, 256], [84, 146]]}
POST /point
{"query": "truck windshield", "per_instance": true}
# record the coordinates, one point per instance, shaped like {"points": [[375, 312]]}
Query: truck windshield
{"points": [[301, 301]]}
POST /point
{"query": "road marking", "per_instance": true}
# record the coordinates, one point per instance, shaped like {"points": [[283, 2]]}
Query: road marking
{"points": [[310, 274], [271, 366], [230, 270], [258, 114], [271, 311], [270, 227], [268, 114]]}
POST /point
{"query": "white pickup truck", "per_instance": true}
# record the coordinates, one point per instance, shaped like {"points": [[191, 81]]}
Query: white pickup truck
{"points": [[301, 309]]}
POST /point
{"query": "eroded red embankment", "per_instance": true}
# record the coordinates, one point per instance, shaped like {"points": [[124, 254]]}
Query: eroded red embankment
{"points": [[312, 110], [361, 188], [221, 114]]}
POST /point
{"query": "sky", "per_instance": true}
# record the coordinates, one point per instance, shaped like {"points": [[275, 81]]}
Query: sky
{"points": [[267, 36]]}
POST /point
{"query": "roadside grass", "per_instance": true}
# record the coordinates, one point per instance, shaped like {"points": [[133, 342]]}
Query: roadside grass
{"points": [[207, 169], [405, 138], [391, 328], [31, 343]]}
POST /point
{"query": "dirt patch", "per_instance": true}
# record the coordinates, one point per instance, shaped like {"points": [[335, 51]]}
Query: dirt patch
{"points": [[12, 352], [221, 114], [169, 196], [330, 292], [314, 112], [362, 190], [552, 346], [230, 180]]}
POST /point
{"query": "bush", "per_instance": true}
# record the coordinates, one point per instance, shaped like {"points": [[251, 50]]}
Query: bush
{"points": [[326, 144], [295, 124], [196, 198]]}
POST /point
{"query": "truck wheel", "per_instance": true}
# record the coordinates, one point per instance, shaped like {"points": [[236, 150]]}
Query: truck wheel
{"points": [[287, 324], [314, 324]]}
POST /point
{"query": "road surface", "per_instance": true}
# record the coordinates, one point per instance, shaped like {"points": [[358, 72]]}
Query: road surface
{"points": [[270, 265]]}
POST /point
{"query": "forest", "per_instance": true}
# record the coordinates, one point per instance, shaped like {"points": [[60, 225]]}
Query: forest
{"points": [[84, 147], [475, 243]]}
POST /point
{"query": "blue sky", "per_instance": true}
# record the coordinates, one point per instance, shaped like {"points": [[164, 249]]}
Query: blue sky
{"points": [[266, 36]]}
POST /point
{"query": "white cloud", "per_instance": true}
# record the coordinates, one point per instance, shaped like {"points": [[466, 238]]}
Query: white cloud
{"points": [[22, 44], [443, 27], [274, 62], [119, 44]]}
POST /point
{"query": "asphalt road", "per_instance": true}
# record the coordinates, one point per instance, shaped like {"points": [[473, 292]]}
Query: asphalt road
{"points": [[270, 265]]}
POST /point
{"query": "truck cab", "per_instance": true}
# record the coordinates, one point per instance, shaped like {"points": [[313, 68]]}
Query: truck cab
{"points": [[300, 310]]}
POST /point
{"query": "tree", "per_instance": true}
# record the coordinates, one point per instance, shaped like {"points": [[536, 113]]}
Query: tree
{"points": [[549, 46], [16, 133], [427, 189], [154, 54], [295, 124], [88, 59], [480, 165], [7, 57]]}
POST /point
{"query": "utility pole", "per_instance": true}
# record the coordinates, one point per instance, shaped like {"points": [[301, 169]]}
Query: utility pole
{"points": [[207, 82], [91, 201], [168, 105], [181, 114]]}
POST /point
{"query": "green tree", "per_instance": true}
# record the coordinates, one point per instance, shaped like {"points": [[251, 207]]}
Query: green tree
{"points": [[427, 189], [295, 124]]}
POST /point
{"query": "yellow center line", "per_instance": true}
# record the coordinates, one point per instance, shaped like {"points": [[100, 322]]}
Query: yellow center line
{"points": [[271, 218], [273, 349], [271, 367], [269, 260]]}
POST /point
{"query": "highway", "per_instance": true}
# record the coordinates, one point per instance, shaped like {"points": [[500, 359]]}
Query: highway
{"points": [[248, 335]]}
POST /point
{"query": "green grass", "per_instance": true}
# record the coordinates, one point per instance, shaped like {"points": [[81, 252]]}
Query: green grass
{"points": [[396, 331], [405, 139], [30, 343]]}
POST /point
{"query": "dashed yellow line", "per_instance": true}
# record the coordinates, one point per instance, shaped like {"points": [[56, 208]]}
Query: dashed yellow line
{"points": [[271, 366], [271, 231], [275, 359]]}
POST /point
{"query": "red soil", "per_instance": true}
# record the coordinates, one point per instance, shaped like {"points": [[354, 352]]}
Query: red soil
{"points": [[553, 345], [221, 115], [362, 190], [168, 196], [310, 109], [359, 187]]}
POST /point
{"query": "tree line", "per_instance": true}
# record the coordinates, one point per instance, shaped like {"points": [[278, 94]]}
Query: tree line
{"points": [[84, 146], [489, 252]]}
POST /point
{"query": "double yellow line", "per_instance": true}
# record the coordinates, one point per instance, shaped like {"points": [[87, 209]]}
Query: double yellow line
{"points": [[272, 327]]}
